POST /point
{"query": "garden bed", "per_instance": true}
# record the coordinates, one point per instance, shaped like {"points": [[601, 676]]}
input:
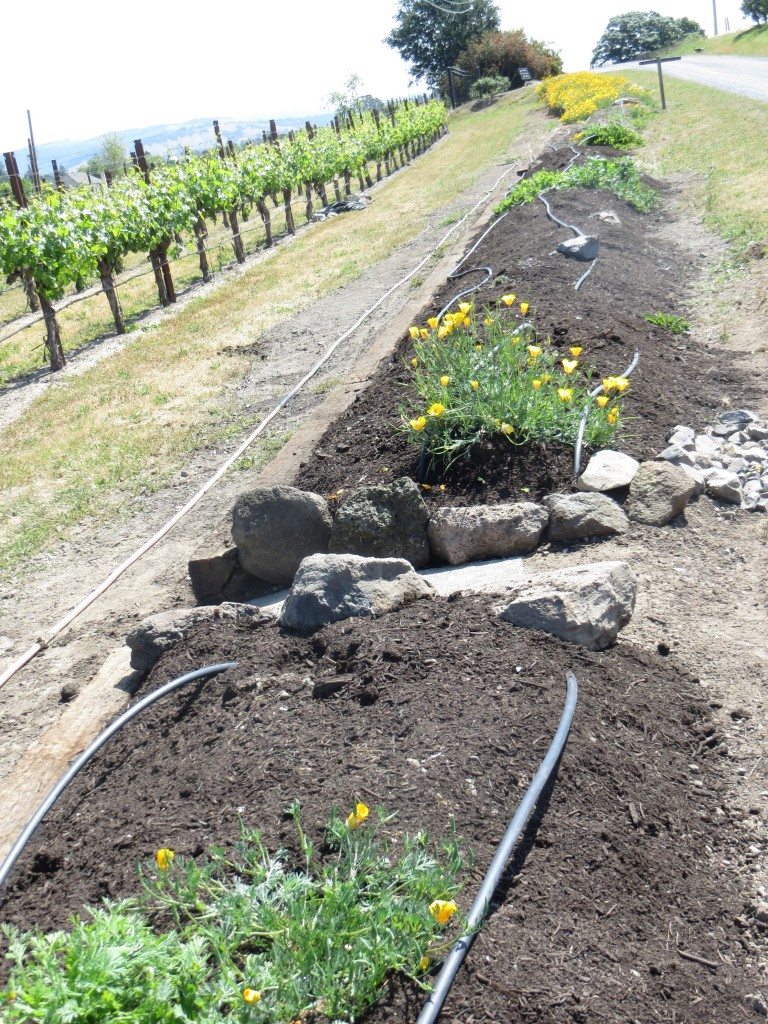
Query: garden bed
{"points": [[639, 271], [437, 712]]}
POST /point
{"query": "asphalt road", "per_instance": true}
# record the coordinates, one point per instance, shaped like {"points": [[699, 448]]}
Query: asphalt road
{"points": [[745, 75]]}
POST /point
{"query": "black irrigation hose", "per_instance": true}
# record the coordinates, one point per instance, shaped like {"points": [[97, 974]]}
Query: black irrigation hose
{"points": [[556, 220], [583, 422], [34, 822], [479, 908], [488, 271]]}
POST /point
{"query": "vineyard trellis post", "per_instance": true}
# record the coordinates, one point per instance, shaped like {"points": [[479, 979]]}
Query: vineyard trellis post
{"points": [[17, 188], [157, 256]]}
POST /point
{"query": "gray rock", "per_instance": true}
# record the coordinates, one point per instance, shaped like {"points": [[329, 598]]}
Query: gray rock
{"points": [[754, 503], [752, 487], [725, 486], [608, 470], [683, 436], [758, 431], [584, 248], [210, 572], [724, 430], [158, 633], [576, 516], [702, 462], [677, 456], [328, 588], [459, 535], [737, 417], [659, 492], [585, 605], [274, 528], [383, 521], [738, 465], [698, 476], [706, 445]]}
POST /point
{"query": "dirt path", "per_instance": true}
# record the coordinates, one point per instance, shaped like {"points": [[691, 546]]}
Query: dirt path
{"points": [[37, 594]]}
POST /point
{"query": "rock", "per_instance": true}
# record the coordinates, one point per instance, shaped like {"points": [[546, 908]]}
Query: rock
{"points": [[328, 588], [584, 248], [702, 462], [576, 516], [585, 605], [459, 535], [683, 436], [706, 445], [659, 492], [607, 216], [608, 470], [725, 486], [383, 521], [754, 503], [737, 417], [211, 572], [757, 1003], [738, 465], [756, 250], [758, 431], [274, 528], [698, 476], [677, 456], [160, 632]]}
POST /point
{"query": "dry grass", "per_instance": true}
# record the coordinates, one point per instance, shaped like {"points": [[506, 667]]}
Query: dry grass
{"points": [[126, 424]]}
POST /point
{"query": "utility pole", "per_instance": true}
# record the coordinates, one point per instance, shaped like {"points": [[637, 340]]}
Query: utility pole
{"points": [[714, 13]]}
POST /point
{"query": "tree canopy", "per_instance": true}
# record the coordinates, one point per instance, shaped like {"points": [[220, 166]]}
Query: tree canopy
{"points": [[628, 36], [430, 39], [110, 157], [502, 53], [351, 99], [757, 10]]}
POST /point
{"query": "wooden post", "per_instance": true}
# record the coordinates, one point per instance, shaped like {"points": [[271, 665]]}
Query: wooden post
{"points": [[263, 132], [347, 182], [141, 159], [219, 143], [108, 286], [273, 131], [231, 150], [170, 291], [309, 209], [237, 242], [289, 224], [201, 233], [263, 209], [158, 257], [309, 130], [108, 178], [53, 335], [17, 185]]}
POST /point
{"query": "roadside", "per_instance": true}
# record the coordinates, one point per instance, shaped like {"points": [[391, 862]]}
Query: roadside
{"points": [[747, 76]]}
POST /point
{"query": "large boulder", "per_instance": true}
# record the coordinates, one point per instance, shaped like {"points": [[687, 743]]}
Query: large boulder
{"points": [[275, 528], [577, 516], [383, 521], [159, 633], [328, 588], [607, 471], [586, 604], [659, 492], [459, 535]]}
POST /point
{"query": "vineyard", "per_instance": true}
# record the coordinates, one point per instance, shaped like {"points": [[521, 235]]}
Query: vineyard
{"points": [[62, 239]]}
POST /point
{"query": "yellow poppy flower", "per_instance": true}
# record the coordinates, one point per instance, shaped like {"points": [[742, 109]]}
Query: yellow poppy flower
{"points": [[613, 415], [466, 322], [575, 350], [622, 383], [418, 424], [569, 365], [609, 384], [546, 377], [163, 858], [423, 963], [565, 394], [436, 409], [423, 333], [524, 307], [433, 322], [465, 307], [534, 351], [536, 384], [442, 910], [443, 333], [414, 362], [357, 817], [602, 400], [478, 348], [506, 428], [414, 333], [508, 300], [475, 384], [489, 321], [445, 380], [251, 996]]}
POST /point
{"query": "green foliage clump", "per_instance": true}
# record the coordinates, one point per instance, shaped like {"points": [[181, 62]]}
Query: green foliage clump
{"points": [[638, 33], [491, 85], [614, 134], [669, 321], [499, 380], [253, 941], [757, 10], [618, 176], [503, 53]]}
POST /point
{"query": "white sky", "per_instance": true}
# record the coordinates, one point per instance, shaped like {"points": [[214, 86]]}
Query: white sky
{"points": [[88, 68]]}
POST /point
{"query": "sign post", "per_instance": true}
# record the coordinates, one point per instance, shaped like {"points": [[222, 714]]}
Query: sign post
{"points": [[658, 61]]}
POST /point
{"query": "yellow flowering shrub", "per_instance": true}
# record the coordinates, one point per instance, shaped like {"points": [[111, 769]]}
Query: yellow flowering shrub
{"points": [[578, 96]]}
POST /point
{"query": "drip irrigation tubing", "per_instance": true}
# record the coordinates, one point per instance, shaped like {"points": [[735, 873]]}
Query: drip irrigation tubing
{"points": [[556, 220], [45, 640], [34, 822], [585, 275], [584, 416], [481, 904]]}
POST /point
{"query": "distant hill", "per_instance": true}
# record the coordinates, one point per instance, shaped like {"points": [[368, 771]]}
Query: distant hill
{"points": [[162, 139]]}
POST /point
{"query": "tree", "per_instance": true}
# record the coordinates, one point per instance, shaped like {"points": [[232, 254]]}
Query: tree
{"points": [[430, 39], [110, 157], [502, 53], [628, 36], [351, 100], [757, 10]]}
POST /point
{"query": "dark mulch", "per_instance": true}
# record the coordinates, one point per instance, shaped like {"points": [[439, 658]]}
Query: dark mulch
{"points": [[638, 272], [443, 711]]}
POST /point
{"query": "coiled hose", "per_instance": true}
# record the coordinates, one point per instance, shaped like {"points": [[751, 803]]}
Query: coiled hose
{"points": [[34, 822], [479, 908]]}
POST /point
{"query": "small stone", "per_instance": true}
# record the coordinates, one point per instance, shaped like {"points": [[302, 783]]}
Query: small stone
{"points": [[754, 503], [659, 493], [608, 470], [702, 461], [737, 466], [68, 693], [677, 456], [725, 486], [577, 516], [683, 436], [756, 250], [584, 248], [758, 1004], [210, 572], [758, 431], [458, 535], [706, 445]]}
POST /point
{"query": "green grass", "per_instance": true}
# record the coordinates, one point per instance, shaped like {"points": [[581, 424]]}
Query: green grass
{"points": [[127, 424], [749, 42], [719, 140], [669, 322]]}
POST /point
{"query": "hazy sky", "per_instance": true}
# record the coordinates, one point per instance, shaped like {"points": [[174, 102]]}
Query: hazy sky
{"points": [[85, 69]]}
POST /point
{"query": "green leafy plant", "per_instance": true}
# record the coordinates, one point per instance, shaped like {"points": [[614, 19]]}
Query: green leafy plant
{"points": [[614, 134], [498, 379], [669, 321], [254, 941], [491, 85], [618, 176]]}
